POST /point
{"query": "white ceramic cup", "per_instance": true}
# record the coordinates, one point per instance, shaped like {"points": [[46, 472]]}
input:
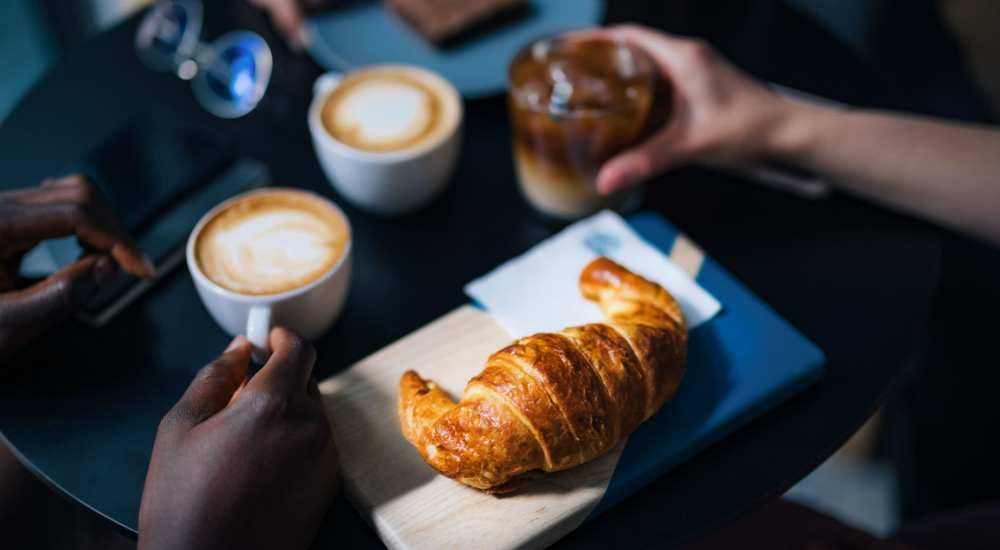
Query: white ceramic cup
{"points": [[393, 182], [309, 310]]}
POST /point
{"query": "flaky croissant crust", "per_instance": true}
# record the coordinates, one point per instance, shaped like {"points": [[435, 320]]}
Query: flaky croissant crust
{"points": [[553, 401]]}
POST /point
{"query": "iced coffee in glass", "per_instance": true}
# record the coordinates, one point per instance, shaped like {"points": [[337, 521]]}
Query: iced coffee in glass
{"points": [[576, 101]]}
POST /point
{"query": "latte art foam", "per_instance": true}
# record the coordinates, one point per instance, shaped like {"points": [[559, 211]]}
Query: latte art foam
{"points": [[389, 109], [381, 112], [271, 242]]}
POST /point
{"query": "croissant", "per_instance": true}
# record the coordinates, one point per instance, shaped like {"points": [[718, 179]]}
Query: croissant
{"points": [[553, 401]]}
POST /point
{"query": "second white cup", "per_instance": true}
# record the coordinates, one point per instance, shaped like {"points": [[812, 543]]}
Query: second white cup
{"points": [[388, 182]]}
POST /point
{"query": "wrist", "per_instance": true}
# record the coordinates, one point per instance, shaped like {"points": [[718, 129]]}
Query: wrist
{"points": [[795, 130]]}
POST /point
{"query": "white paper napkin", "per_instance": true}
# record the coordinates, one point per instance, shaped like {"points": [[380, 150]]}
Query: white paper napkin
{"points": [[538, 291]]}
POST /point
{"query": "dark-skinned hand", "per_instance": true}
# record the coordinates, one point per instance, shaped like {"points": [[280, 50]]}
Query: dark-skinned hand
{"points": [[57, 208], [242, 463]]}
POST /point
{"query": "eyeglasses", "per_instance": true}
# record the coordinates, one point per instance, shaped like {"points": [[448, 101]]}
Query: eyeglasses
{"points": [[229, 75]]}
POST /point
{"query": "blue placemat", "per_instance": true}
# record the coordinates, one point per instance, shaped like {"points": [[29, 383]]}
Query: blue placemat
{"points": [[363, 33], [740, 364]]}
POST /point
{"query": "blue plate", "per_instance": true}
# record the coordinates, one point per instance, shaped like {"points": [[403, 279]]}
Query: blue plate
{"points": [[744, 361], [367, 33]]}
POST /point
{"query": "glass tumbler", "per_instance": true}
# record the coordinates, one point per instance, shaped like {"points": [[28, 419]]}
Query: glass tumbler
{"points": [[575, 101]]}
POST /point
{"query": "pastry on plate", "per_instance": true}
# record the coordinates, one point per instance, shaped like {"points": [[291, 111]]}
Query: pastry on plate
{"points": [[553, 401]]}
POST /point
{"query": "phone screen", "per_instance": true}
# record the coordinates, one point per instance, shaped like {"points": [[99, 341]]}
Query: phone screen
{"points": [[149, 165]]}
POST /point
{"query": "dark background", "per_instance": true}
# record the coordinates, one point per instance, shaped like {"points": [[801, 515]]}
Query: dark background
{"points": [[856, 279]]}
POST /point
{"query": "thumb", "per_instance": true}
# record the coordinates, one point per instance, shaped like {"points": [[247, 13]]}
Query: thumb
{"points": [[68, 289], [29, 312], [637, 164], [213, 387]]}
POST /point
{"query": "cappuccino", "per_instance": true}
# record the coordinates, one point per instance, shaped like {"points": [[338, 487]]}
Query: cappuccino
{"points": [[271, 242], [389, 109]]}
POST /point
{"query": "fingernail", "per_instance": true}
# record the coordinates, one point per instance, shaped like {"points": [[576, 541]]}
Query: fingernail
{"points": [[104, 270], [147, 262], [605, 183], [237, 342]]}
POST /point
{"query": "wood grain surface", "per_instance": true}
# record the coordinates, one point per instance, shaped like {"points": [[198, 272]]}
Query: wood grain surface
{"points": [[408, 503]]}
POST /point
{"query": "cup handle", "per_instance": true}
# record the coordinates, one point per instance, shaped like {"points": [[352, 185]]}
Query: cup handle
{"points": [[258, 328], [326, 83]]}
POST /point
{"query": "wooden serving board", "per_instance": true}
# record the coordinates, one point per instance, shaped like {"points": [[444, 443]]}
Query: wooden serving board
{"points": [[410, 505], [739, 364]]}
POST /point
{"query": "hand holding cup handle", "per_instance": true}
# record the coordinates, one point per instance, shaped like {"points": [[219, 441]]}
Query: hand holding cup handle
{"points": [[261, 438]]}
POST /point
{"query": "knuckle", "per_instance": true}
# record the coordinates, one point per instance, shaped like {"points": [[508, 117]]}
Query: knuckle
{"points": [[211, 371], [79, 211], [83, 190], [314, 432], [297, 349], [62, 289], [173, 418], [212, 374], [86, 192], [631, 27], [266, 404], [76, 179], [292, 338], [699, 50]]}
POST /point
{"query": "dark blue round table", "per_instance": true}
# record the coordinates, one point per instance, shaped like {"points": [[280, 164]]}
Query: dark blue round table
{"points": [[82, 408]]}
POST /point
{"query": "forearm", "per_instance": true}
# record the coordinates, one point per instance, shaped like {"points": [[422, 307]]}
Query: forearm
{"points": [[945, 172]]}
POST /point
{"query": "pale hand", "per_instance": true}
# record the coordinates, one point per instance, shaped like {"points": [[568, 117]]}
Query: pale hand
{"points": [[719, 116]]}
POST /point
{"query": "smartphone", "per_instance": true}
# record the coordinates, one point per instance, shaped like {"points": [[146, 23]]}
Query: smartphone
{"points": [[160, 177]]}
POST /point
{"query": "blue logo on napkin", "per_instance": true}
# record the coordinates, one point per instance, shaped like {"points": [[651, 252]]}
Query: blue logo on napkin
{"points": [[602, 243]]}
